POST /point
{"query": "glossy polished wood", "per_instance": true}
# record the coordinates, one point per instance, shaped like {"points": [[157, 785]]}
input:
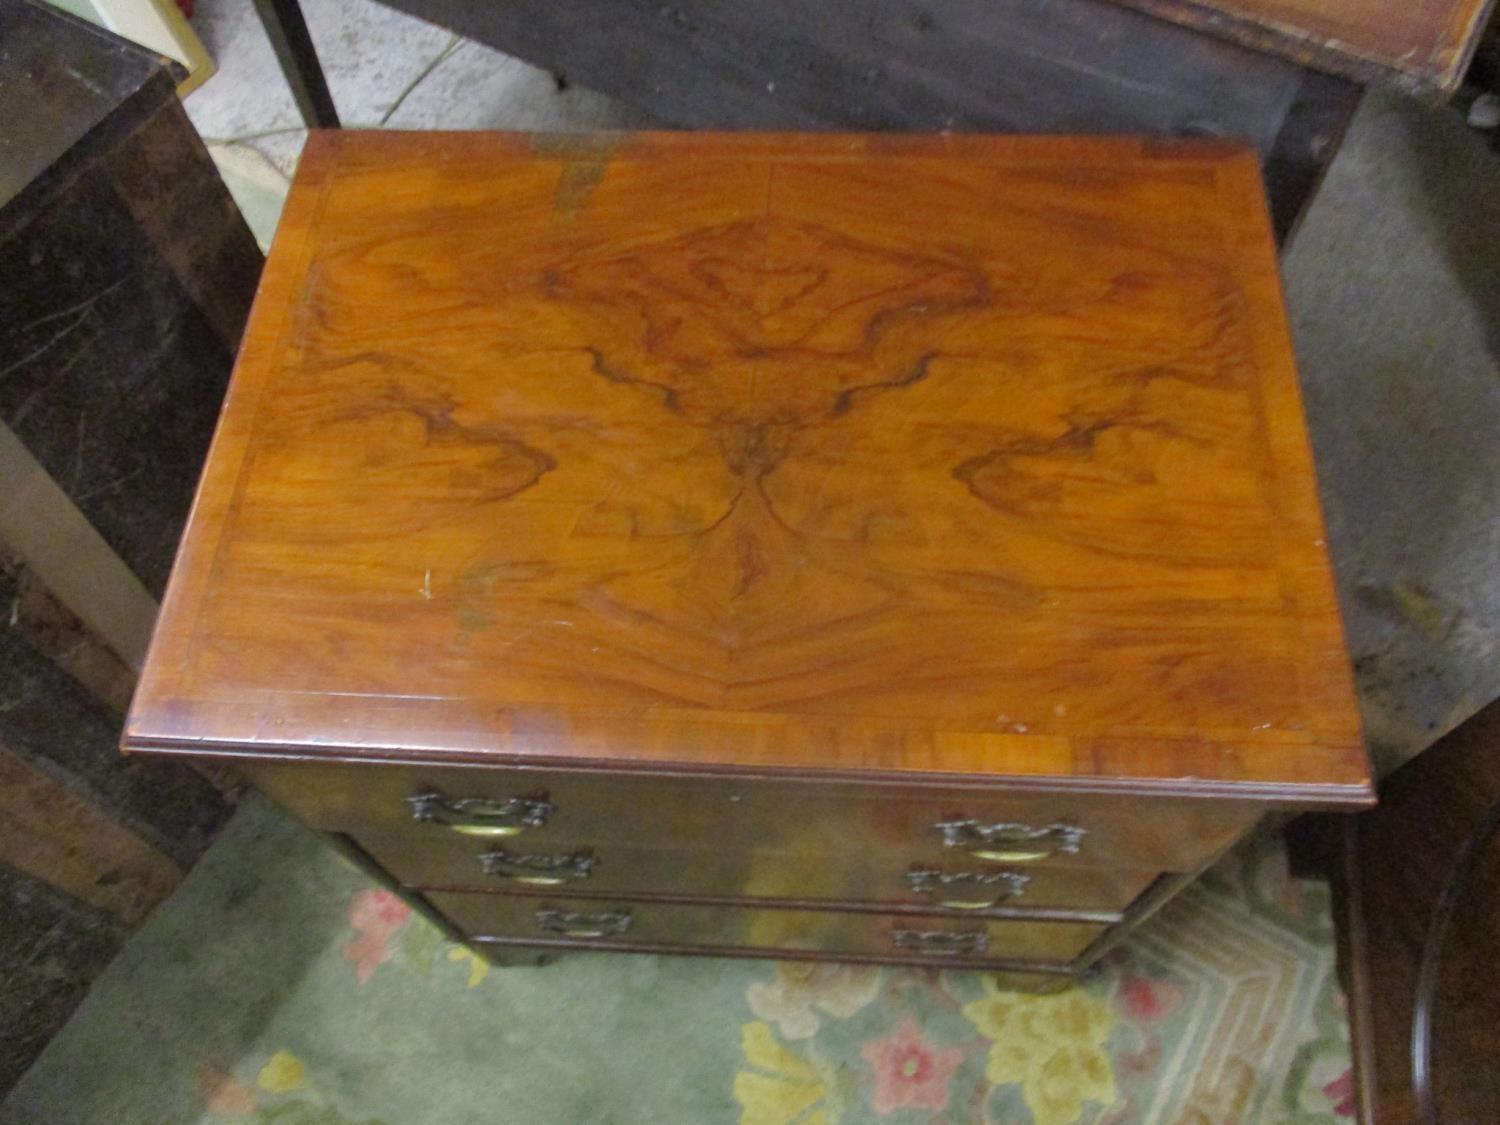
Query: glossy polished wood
{"points": [[847, 875], [1420, 923], [828, 818], [845, 456], [769, 931], [1422, 45]]}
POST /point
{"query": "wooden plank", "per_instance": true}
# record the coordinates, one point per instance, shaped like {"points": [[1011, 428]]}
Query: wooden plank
{"points": [[1420, 45], [50, 720], [1418, 897], [51, 834], [42, 528], [1034, 66], [61, 636]]}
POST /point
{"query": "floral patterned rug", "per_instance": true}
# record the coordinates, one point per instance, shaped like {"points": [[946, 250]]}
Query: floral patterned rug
{"points": [[278, 985]]}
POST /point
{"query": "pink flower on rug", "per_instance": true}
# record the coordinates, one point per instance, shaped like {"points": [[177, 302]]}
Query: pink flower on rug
{"points": [[1145, 1000], [376, 915], [1341, 1093], [911, 1072], [224, 1094]]}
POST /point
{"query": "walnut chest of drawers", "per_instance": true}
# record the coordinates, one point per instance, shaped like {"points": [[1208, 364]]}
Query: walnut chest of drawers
{"points": [[902, 549]]}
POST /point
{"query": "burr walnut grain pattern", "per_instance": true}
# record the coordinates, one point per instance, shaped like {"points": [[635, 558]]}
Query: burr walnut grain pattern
{"points": [[948, 457]]}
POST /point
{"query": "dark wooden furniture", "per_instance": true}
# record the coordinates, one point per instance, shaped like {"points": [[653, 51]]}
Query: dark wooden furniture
{"points": [[1034, 66], [128, 275], [1420, 45], [768, 545], [1420, 914], [1026, 66]]}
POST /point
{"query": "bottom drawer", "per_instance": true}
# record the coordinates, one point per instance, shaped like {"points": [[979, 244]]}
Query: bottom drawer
{"points": [[625, 924]]}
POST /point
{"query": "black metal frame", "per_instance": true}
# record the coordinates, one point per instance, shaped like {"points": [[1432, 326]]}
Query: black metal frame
{"points": [[287, 30]]}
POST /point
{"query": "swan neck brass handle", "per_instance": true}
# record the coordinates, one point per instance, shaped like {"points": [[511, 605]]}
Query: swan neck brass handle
{"points": [[1010, 842], [604, 923], [539, 869], [482, 816], [967, 890], [947, 943]]}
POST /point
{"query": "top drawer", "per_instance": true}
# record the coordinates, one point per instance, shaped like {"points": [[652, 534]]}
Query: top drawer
{"points": [[589, 808]]}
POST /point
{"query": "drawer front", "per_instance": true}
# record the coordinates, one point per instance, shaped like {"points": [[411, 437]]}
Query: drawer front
{"points": [[854, 875], [803, 817], [625, 924]]}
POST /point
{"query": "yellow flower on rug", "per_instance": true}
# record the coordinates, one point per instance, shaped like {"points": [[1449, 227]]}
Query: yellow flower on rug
{"points": [[282, 1074], [798, 990], [1053, 1046], [779, 1086], [479, 968]]}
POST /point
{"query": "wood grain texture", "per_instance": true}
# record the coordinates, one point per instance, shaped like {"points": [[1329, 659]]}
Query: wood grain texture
{"points": [[826, 819], [54, 835], [917, 458], [1023, 66], [1421, 45], [767, 931], [1419, 894], [850, 876]]}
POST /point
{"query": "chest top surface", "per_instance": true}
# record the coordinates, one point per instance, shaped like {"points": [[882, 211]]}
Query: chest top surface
{"points": [[970, 457]]}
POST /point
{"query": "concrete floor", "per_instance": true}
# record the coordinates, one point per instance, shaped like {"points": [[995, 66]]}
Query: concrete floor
{"points": [[1393, 283]]}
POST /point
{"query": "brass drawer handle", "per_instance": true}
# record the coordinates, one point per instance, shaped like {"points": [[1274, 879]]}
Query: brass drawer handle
{"points": [[944, 942], [539, 868], [482, 816], [605, 923], [1010, 843], [938, 884]]}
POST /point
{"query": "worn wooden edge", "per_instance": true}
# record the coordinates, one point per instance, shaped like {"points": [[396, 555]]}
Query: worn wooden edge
{"points": [[215, 258], [155, 88], [1437, 76], [63, 638], [273, 320], [1048, 968], [1306, 566], [268, 321], [1303, 796], [43, 529], [1352, 953], [827, 906]]}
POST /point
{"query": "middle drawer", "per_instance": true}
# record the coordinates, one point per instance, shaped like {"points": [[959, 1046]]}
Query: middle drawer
{"points": [[929, 879]]}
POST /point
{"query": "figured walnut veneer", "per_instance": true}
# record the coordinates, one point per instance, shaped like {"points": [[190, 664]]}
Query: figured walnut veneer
{"points": [[985, 452]]}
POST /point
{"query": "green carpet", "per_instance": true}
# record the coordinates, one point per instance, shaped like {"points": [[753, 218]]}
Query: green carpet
{"points": [[278, 985]]}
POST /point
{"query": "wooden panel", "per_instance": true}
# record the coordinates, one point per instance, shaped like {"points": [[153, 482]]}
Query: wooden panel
{"points": [[52, 722], [51, 834], [821, 819], [914, 458], [1028, 66], [1423, 45], [770, 931], [129, 277], [1420, 921], [42, 531], [64, 638], [854, 875]]}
